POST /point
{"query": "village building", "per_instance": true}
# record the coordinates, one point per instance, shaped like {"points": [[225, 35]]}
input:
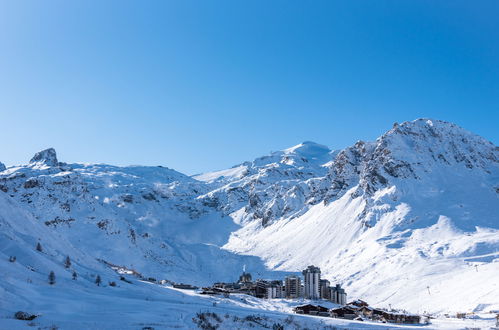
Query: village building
{"points": [[312, 310], [359, 303], [275, 290], [271, 292], [401, 318], [338, 295], [292, 287], [312, 276], [261, 288], [314, 288], [325, 289], [245, 284], [360, 310], [345, 312], [245, 277], [185, 286]]}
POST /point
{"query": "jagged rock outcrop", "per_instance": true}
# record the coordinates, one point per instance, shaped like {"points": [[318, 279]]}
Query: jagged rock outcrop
{"points": [[270, 187], [25, 316], [46, 157], [409, 151]]}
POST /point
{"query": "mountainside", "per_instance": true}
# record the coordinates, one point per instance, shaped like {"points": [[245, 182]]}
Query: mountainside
{"points": [[411, 219], [144, 218], [269, 187], [395, 219], [120, 301]]}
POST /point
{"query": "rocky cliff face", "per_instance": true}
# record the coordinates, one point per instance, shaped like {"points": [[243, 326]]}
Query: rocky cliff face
{"points": [[45, 157], [270, 187]]}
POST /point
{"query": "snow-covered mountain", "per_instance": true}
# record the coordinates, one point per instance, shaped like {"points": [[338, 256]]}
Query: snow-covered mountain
{"points": [[403, 220], [270, 187], [146, 218], [121, 301], [411, 219]]}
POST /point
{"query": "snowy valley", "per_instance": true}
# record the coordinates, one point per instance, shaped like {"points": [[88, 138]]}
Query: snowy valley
{"points": [[409, 221]]}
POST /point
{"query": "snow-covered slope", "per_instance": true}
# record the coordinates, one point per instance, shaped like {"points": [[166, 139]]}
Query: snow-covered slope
{"points": [[411, 219], [270, 187], [144, 218], [408, 214], [132, 304]]}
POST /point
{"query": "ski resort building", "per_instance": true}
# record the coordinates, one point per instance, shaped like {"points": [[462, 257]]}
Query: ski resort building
{"points": [[275, 290], [245, 277], [325, 289], [261, 288], [293, 287], [312, 276], [312, 310], [314, 287], [338, 295]]}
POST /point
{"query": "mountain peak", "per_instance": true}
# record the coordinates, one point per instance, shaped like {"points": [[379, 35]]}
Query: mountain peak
{"points": [[438, 133], [434, 127], [47, 157], [2, 167], [308, 149]]}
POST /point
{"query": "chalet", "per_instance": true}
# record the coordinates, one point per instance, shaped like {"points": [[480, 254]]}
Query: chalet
{"points": [[213, 291], [208, 291], [185, 286], [366, 311], [312, 310], [345, 312], [358, 303], [401, 318]]}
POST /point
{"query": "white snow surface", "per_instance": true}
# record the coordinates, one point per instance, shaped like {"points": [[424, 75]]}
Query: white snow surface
{"points": [[410, 220]]}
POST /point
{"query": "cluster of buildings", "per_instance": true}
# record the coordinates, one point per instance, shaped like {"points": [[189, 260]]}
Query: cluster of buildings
{"points": [[293, 287], [310, 286], [359, 310]]}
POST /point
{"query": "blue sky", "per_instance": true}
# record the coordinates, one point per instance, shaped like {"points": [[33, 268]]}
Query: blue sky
{"points": [[204, 85]]}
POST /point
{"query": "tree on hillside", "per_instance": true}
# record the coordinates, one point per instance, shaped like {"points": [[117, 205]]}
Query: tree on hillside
{"points": [[67, 263], [52, 278], [98, 280], [39, 247]]}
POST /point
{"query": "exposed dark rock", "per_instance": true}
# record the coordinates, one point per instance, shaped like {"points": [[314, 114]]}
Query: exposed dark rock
{"points": [[47, 157], [211, 202], [65, 206], [127, 198], [58, 221], [149, 197], [102, 224], [31, 183], [25, 316]]}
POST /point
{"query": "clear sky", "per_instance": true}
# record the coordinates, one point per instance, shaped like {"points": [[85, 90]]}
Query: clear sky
{"points": [[204, 85]]}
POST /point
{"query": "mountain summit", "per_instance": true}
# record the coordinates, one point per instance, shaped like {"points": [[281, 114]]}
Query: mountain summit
{"points": [[46, 157]]}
